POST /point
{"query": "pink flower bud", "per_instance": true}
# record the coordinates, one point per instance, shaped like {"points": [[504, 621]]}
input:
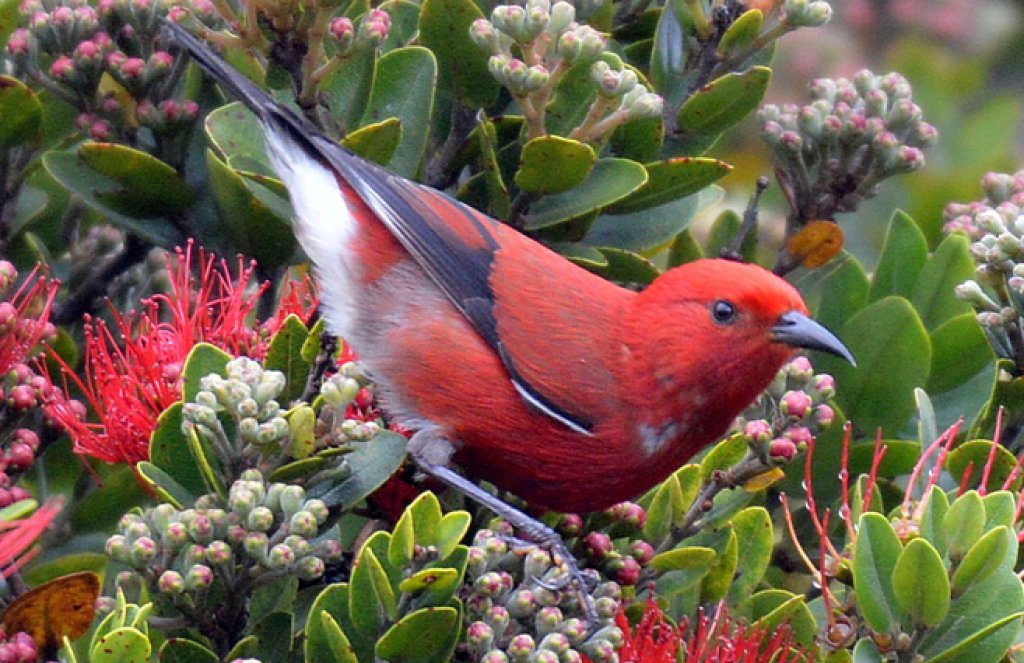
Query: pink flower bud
{"points": [[20, 456], [87, 50], [18, 44], [62, 68], [642, 552], [62, 16], [629, 573], [795, 404], [341, 28], [161, 61], [782, 449], [22, 397], [100, 131], [758, 430], [799, 435], [824, 415], [598, 545], [132, 67]]}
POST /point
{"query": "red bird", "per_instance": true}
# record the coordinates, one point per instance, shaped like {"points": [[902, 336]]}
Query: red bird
{"points": [[507, 359]]}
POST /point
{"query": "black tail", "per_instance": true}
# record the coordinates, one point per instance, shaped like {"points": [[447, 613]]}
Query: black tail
{"points": [[259, 102]]}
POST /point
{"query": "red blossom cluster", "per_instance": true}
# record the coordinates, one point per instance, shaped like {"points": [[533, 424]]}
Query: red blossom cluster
{"points": [[133, 368], [711, 639]]}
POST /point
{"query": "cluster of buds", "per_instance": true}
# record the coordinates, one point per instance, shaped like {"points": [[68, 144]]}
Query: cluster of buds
{"points": [[246, 397], [265, 531], [995, 226], [612, 544], [18, 648], [69, 46], [806, 13], [348, 414], [522, 608], [790, 413], [833, 153], [533, 47]]}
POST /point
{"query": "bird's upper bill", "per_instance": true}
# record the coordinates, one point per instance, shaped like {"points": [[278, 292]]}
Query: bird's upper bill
{"points": [[798, 330]]}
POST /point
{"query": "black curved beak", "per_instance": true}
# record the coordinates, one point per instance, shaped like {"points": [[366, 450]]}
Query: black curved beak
{"points": [[798, 330]]}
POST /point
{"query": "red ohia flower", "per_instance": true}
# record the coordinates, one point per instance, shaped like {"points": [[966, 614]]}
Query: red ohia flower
{"points": [[133, 371], [712, 640], [17, 537]]}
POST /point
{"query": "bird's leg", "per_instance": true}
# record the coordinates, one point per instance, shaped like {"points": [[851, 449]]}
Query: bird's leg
{"points": [[425, 454]]}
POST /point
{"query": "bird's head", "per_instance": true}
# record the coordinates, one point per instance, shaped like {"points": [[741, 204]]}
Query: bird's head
{"points": [[724, 325]]}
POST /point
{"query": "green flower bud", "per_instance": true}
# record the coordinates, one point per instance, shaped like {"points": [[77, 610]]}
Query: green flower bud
{"points": [[117, 548], [218, 553], [256, 544], [319, 510], [260, 519], [247, 407], [198, 577], [299, 545], [171, 583], [309, 568], [547, 620], [142, 551], [280, 557], [292, 498]]}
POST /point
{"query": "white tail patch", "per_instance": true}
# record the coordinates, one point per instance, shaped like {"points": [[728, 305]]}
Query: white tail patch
{"points": [[324, 227]]}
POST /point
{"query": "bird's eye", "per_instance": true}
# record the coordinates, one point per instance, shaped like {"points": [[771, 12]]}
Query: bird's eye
{"points": [[723, 312]]}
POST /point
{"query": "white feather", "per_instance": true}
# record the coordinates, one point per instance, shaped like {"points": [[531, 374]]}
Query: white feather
{"points": [[324, 227]]}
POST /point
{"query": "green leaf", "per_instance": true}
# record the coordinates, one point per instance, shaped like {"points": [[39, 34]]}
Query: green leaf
{"points": [[338, 649], [347, 89], [934, 294], [920, 583], [421, 637], [964, 523], [670, 180], [684, 559], [644, 232], [432, 578], [668, 56], [625, 267], [123, 645], [684, 249], [202, 360], [322, 643], [552, 164], [572, 99], [21, 110], [959, 651], [1007, 391], [982, 559], [404, 88], [874, 559], [284, 354], [372, 463], [257, 225], [405, 17], [450, 531], [887, 339], [753, 527], [365, 605], [610, 180], [742, 32], [376, 142], [100, 192], [274, 597], [299, 469], [164, 485], [168, 450], [720, 104], [959, 352], [843, 291], [904, 256], [716, 583], [723, 455], [29, 207], [182, 650], [1000, 509], [639, 140], [866, 651], [426, 515], [149, 187], [444, 29], [498, 202], [975, 454], [659, 512], [936, 506], [773, 607], [236, 133], [403, 541], [275, 636]]}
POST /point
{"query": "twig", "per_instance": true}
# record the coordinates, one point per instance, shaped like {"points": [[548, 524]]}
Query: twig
{"points": [[323, 362], [437, 174], [732, 252]]}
